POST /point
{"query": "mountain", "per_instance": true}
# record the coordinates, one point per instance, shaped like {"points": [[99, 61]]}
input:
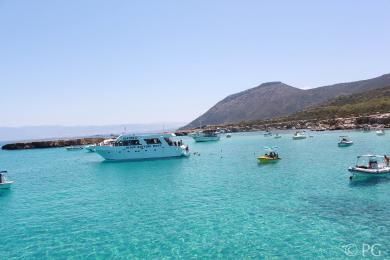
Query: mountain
{"points": [[364, 103], [276, 99]]}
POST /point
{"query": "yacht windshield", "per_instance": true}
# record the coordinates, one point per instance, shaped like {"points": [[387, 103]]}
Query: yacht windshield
{"points": [[152, 141]]}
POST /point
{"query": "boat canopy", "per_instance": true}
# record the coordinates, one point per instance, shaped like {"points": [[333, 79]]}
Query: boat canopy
{"points": [[371, 161]]}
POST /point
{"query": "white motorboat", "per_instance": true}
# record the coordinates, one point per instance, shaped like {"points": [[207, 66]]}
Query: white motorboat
{"points": [[380, 132], [74, 148], [277, 136], [345, 141], [370, 165], [267, 133], [141, 147], [299, 135], [205, 136], [4, 183]]}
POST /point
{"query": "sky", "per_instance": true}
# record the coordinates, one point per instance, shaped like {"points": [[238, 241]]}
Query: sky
{"points": [[74, 62]]}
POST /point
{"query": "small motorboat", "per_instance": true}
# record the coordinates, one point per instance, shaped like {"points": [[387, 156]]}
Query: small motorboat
{"points": [[74, 148], [267, 133], [4, 183], [380, 132], [271, 155], [370, 165], [299, 135], [228, 135], [345, 141], [277, 136]]}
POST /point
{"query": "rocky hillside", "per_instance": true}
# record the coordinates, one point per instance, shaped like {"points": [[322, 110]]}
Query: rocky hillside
{"points": [[360, 104], [276, 99]]}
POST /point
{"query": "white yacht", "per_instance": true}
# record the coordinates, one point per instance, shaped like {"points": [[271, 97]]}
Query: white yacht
{"points": [[140, 147], [205, 136]]}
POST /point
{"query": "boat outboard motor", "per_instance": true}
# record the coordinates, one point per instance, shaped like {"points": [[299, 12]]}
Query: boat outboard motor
{"points": [[1, 178]]}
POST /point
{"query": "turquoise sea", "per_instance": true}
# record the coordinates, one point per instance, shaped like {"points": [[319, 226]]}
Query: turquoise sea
{"points": [[220, 204]]}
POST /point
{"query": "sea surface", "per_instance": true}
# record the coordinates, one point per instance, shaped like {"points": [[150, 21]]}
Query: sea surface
{"points": [[218, 204]]}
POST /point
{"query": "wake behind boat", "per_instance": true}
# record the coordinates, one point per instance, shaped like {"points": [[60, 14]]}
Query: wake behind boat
{"points": [[141, 147], [370, 165]]}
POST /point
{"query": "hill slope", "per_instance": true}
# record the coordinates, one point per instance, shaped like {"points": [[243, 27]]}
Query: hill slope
{"points": [[366, 103], [276, 99]]}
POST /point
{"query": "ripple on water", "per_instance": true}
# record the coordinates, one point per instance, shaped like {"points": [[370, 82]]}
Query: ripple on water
{"points": [[221, 204]]}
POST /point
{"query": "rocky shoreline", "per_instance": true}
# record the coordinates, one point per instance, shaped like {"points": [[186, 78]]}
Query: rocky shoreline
{"points": [[51, 143], [346, 123]]}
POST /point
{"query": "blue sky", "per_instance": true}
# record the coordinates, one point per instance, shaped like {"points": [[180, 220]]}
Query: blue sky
{"points": [[111, 62]]}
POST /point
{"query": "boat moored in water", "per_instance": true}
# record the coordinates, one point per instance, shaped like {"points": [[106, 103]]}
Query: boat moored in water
{"points": [[345, 141], [205, 136], [141, 147], [271, 155], [4, 183], [299, 135], [380, 132], [277, 136], [370, 165]]}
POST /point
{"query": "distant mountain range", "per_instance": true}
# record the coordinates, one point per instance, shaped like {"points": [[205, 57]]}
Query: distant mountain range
{"points": [[50, 132], [276, 99]]}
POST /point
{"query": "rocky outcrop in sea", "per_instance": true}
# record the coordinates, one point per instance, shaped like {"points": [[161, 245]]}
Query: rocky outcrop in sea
{"points": [[51, 143]]}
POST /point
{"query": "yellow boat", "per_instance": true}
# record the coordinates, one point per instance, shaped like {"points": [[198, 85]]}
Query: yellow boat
{"points": [[267, 159]]}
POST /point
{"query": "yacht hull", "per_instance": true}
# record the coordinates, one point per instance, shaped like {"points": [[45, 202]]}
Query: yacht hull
{"points": [[362, 172], [128, 153]]}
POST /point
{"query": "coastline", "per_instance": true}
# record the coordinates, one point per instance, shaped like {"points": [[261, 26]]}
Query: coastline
{"points": [[52, 143], [341, 123]]}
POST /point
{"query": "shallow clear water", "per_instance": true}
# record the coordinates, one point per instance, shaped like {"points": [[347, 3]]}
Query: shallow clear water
{"points": [[221, 204]]}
